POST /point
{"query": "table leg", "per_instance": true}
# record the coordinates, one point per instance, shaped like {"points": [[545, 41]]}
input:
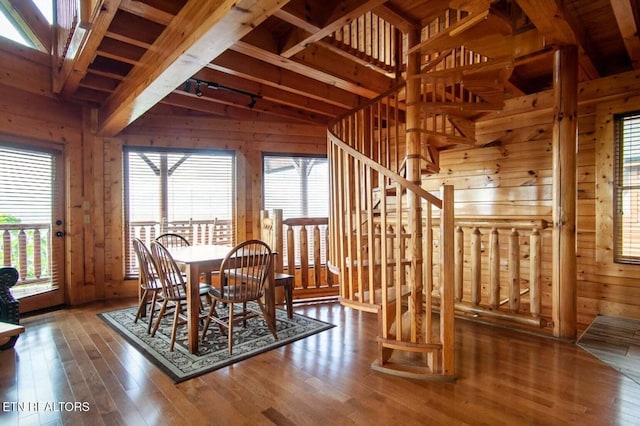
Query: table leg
{"points": [[270, 297], [193, 303]]}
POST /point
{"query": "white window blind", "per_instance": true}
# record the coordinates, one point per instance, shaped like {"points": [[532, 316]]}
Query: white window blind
{"points": [[178, 191], [26, 207], [299, 185], [627, 189]]}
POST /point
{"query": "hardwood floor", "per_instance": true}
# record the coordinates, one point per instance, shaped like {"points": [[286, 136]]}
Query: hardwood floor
{"points": [[504, 378]]}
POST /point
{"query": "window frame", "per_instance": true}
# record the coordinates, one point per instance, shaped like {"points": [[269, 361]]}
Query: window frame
{"points": [[604, 179], [128, 251], [284, 216], [620, 188], [289, 155]]}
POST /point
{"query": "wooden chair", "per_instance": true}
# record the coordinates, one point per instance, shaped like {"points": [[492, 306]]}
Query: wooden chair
{"points": [[243, 274], [287, 282], [271, 233], [173, 240], [174, 289], [170, 240], [148, 279]]}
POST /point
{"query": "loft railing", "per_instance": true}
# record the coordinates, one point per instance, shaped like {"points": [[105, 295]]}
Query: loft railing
{"points": [[373, 40], [500, 275], [302, 245]]}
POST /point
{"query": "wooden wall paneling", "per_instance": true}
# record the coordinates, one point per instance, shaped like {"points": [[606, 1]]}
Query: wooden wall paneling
{"points": [[74, 245], [152, 120], [254, 192], [25, 70], [115, 285], [243, 192], [480, 168], [87, 200], [605, 174], [97, 218]]}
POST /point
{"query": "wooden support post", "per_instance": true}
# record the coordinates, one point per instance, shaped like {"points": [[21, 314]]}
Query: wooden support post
{"points": [[413, 151], [564, 147], [447, 310]]}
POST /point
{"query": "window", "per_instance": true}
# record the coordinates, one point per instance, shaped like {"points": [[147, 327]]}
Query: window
{"points": [[12, 28], [31, 214], [627, 189], [189, 192], [299, 186]]}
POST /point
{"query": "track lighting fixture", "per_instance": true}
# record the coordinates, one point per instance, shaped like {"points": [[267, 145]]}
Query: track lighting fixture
{"points": [[215, 86]]}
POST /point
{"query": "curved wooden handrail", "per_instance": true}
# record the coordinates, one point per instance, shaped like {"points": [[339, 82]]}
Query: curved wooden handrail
{"points": [[386, 172]]}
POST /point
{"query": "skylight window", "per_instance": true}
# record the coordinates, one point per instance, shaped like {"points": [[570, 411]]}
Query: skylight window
{"points": [[46, 8], [8, 30], [12, 24]]}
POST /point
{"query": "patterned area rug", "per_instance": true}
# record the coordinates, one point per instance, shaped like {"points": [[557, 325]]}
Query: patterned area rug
{"points": [[616, 342], [181, 365]]}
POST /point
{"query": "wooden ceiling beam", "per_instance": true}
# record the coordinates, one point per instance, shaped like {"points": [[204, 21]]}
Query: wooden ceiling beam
{"points": [[203, 105], [282, 78], [625, 13], [270, 93], [397, 19], [322, 62], [343, 13], [297, 21], [146, 11], [344, 74], [559, 27], [178, 54], [226, 104], [31, 21]]}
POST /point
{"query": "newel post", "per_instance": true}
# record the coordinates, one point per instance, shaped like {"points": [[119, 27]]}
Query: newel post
{"points": [[413, 149], [564, 147]]}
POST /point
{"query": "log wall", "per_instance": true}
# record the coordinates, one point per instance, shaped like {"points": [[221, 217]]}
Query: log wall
{"points": [[507, 175]]}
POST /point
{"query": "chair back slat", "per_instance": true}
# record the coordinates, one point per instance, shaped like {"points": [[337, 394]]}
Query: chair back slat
{"points": [[173, 240], [244, 271], [146, 265], [171, 278]]}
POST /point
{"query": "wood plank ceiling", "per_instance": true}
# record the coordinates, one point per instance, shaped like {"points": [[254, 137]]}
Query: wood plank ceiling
{"points": [[139, 54]]}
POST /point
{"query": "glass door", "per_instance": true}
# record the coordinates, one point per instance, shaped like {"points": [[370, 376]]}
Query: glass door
{"points": [[32, 224]]}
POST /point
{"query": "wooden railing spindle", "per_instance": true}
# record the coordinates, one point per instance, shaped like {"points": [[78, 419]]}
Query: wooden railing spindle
{"points": [[494, 269], [22, 253], [476, 266], [459, 264], [514, 271], [535, 272]]}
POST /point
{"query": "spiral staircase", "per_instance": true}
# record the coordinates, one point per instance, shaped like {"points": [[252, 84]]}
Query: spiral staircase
{"points": [[390, 258]]}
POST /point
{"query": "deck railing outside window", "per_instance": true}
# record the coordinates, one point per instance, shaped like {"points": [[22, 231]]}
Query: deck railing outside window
{"points": [[27, 247]]}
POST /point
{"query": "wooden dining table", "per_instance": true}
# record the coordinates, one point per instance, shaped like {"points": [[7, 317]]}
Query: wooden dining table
{"points": [[197, 259]]}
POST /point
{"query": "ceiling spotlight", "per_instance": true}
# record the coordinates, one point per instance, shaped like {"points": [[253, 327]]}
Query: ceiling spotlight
{"points": [[198, 91]]}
